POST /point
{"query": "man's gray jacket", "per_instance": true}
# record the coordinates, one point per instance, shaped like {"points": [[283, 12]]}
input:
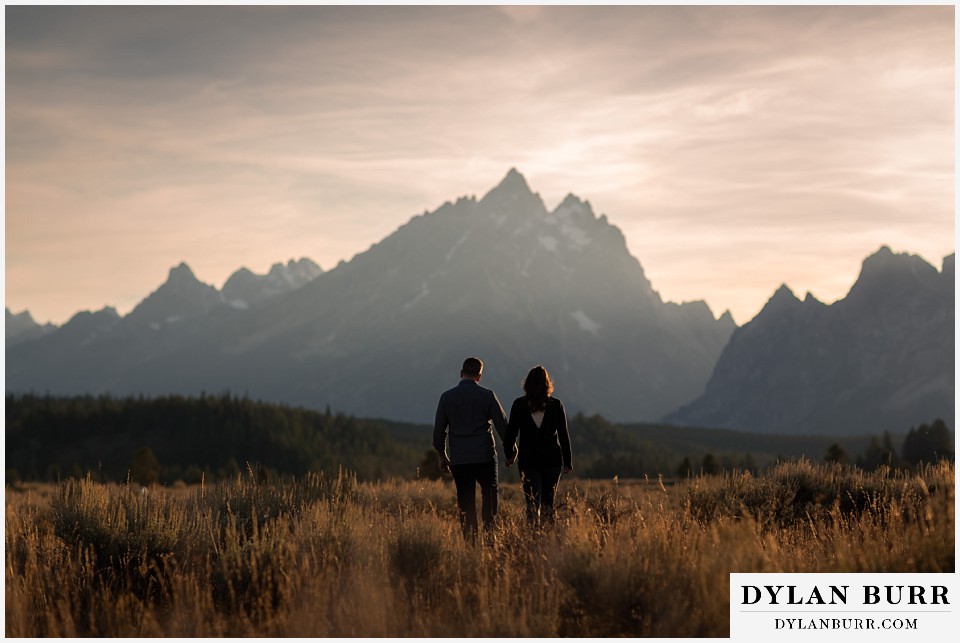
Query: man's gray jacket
{"points": [[468, 410]]}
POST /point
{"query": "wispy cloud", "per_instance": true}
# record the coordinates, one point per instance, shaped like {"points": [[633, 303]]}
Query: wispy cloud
{"points": [[737, 147]]}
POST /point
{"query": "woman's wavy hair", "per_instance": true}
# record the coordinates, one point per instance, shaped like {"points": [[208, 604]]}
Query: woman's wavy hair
{"points": [[537, 387]]}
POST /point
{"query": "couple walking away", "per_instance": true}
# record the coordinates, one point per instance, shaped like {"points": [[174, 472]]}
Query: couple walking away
{"points": [[467, 414]]}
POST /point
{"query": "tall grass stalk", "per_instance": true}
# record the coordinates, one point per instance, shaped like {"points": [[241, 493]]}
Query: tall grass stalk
{"points": [[326, 556]]}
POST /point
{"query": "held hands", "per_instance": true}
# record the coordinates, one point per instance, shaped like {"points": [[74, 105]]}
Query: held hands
{"points": [[444, 462], [567, 469], [511, 457]]}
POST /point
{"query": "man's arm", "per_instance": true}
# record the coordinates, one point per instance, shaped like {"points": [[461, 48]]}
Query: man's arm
{"points": [[500, 423], [498, 417], [440, 424], [513, 430]]}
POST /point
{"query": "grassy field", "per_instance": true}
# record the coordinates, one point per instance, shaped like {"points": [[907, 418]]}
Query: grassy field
{"points": [[326, 556]]}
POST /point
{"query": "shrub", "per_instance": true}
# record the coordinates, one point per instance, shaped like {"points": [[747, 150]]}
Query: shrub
{"points": [[323, 556]]}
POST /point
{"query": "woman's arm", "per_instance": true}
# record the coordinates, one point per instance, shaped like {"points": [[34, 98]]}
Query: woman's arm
{"points": [[564, 435]]}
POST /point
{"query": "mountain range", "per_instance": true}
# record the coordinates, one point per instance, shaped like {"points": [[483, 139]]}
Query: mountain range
{"points": [[506, 279], [881, 358], [21, 327], [501, 277]]}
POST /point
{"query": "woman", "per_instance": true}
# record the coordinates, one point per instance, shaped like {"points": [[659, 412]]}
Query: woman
{"points": [[541, 423]]}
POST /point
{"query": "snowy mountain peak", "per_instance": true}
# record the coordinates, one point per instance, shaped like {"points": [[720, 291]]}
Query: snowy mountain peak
{"points": [[296, 273], [575, 220], [245, 288]]}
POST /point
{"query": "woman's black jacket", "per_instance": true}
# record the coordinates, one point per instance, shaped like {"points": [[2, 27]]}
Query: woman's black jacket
{"points": [[541, 447]]}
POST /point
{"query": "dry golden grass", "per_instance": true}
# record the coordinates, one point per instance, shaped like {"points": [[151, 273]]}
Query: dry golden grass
{"points": [[325, 556]]}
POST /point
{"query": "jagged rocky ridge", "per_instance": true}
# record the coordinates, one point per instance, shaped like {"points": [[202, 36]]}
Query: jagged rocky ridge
{"points": [[882, 358], [21, 327], [501, 277]]}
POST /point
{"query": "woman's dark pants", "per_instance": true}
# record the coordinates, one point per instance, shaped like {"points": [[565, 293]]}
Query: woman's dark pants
{"points": [[539, 488]]}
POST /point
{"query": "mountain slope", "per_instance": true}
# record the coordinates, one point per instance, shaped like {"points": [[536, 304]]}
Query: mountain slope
{"points": [[21, 327], [501, 277], [245, 288], [181, 297], [881, 358]]}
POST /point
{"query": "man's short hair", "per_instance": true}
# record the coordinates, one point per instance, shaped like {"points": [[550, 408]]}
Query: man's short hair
{"points": [[472, 367]]}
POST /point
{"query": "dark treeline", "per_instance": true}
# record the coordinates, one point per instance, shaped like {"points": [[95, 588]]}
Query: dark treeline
{"points": [[171, 438], [165, 439], [603, 449]]}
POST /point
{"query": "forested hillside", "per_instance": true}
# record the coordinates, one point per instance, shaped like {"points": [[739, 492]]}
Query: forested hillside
{"points": [[172, 438], [50, 437]]}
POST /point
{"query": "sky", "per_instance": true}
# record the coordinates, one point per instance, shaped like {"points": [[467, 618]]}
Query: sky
{"points": [[737, 148]]}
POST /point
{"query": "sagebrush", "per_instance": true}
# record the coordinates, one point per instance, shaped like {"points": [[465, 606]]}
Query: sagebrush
{"points": [[328, 556]]}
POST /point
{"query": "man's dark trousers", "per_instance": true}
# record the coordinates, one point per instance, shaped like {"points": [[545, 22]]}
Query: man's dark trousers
{"points": [[466, 477]]}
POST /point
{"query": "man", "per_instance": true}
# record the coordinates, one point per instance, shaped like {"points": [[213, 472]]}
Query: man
{"points": [[465, 413]]}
